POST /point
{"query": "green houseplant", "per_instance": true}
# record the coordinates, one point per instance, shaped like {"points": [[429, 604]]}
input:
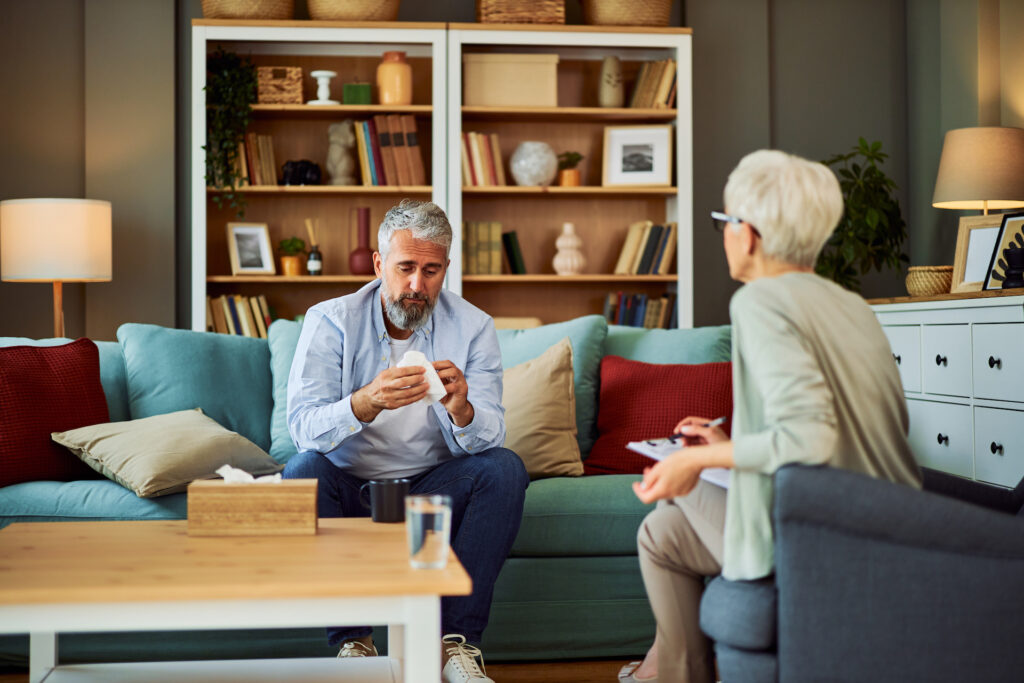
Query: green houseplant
{"points": [[568, 174], [291, 249], [871, 232], [231, 85]]}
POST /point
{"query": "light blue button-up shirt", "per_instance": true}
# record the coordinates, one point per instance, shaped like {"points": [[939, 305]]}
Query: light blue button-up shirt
{"points": [[344, 345]]}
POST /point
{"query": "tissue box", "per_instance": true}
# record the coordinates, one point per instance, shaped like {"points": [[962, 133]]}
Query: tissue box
{"points": [[285, 508]]}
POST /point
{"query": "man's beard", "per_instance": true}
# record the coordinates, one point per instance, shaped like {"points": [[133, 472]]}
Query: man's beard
{"points": [[409, 318]]}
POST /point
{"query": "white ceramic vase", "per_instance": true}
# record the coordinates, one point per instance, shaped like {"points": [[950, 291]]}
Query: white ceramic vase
{"points": [[569, 260], [533, 163]]}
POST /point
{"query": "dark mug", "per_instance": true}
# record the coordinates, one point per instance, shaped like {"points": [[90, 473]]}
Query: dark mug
{"points": [[387, 499]]}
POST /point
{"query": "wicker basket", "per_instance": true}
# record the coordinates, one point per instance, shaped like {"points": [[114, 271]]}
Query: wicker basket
{"points": [[627, 12], [520, 11], [353, 10], [929, 280], [279, 84], [249, 9]]}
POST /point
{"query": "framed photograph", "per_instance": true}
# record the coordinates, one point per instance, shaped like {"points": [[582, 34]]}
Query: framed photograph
{"points": [[1011, 236], [975, 241], [637, 155], [250, 250]]}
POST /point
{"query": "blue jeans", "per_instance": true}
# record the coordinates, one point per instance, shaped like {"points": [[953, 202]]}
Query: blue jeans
{"points": [[487, 491]]}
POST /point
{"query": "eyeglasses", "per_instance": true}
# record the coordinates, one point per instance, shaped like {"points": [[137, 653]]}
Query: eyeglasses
{"points": [[719, 219]]}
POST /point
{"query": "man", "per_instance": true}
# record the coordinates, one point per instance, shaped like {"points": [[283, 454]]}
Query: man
{"points": [[355, 416]]}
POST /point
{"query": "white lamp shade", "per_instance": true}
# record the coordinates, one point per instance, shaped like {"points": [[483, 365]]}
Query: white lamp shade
{"points": [[981, 168], [46, 240]]}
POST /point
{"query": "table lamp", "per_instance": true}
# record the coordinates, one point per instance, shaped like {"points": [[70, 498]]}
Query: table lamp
{"points": [[981, 168], [55, 240]]}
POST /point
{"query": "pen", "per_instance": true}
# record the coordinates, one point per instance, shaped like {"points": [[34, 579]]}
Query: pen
{"points": [[718, 421]]}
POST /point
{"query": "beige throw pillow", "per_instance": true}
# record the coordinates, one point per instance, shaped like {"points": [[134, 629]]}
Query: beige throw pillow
{"points": [[157, 455], [540, 413]]}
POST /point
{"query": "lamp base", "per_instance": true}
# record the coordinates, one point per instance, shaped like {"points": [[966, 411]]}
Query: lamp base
{"points": [[58, 308]]}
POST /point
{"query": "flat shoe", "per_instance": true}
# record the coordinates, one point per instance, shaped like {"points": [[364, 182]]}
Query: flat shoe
{"points": [[627, 674]]}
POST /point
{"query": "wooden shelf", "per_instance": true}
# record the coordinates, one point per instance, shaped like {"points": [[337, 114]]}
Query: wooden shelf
{"points": [[603, 279], [335, 110], [290, 280], [309, 23], [569, 28], [328, 189], [569, 191], [568, 114], [951, 296]]}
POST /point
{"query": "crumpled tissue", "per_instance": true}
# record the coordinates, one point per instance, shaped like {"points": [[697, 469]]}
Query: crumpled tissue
{"points": [[435, 387], [233, 475]]}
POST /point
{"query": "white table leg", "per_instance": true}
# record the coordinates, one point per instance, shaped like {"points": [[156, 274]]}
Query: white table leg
{"points": [[396, 644], [42, 655], [422, 635]]}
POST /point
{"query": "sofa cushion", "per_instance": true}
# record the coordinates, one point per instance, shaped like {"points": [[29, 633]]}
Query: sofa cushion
{"points": [[540, 413], [580, 516], [98, 499], [692, 346], [283, 337], [46, 389], [645, 401], [227, 376], [586, 335], [162, 454], [741, 614]]}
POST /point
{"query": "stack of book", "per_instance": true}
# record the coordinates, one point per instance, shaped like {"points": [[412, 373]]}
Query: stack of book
{"points": [[655, 85], [481, 248], [259, 167], [481, 160], [514, 263], [649, 249], [247, 316], [639, 310], [389, 151]]}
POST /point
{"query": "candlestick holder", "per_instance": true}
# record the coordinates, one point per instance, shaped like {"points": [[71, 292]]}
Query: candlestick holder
{"points": [[323, 87]]}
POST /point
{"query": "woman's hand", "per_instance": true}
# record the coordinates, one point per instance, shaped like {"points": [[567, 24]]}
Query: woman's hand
{"points": [[696, 434], [676, 475]]}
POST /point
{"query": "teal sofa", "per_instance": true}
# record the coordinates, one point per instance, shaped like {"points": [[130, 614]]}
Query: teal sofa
{"points": [[571, 587]]}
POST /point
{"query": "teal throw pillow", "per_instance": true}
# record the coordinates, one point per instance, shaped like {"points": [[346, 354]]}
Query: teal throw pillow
{"points": [[283, 336], [670, 347]]}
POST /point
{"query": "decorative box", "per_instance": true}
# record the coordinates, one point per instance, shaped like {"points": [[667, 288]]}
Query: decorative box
{"points": [[284, 508], [279, 84], [510, 80]]}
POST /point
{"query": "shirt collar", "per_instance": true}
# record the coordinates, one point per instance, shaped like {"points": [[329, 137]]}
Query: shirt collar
{"points": [[381, 330]]}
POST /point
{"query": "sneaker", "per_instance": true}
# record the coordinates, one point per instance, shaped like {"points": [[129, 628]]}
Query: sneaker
{"points": [[462, 666], [356, 648]]}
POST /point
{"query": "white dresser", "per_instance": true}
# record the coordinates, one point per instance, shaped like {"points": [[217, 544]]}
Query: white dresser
{"points": [[961, 358]]}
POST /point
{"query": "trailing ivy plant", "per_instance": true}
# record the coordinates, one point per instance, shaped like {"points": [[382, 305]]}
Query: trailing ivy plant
{"points": [[872, 231], [230, 91]]}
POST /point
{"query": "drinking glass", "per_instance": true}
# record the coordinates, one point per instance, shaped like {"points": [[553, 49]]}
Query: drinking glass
{"points": [[428, 524]]}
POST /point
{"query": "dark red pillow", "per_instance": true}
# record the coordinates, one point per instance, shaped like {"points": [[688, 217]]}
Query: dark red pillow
{"points": [[47, 389], [643, 401]]}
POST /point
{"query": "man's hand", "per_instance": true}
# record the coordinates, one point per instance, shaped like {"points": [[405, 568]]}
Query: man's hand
{"points": [[392, 388], [455, 402]]}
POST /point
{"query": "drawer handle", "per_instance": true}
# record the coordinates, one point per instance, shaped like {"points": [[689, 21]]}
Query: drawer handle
{"points": [[940, 360], [897, 358], [996, 448], [995, 362], [943, 439]]}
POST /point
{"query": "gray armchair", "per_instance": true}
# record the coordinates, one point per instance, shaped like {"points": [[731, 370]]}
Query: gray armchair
{"points": [[875, 582]]}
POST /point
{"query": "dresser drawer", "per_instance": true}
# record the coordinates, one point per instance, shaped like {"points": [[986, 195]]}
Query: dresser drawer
{"points": [[946, 359], [999, 361], [999, 446], [941, 436], [905, 341]]}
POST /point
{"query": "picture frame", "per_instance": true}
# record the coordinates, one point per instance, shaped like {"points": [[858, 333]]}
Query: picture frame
{"points": [[637, 156], [1011, 231], [975, 241], [250, 250]]}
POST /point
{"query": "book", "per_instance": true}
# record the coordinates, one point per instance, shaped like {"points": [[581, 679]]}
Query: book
{"points": [[265, 308], [483, 248], [412, 144], [378, 157], [639, 310], [244, 315], [467, 167], [665, 315], [484, 140], [371, 160], [629, 248], [649, 250], [634, 266], [241, 165], [665, 84], [651, 316], [219, 323], [252, 159], [494, 243], [234, 323], [472, 253], [364, 167], [611, 303], [668, 252], [401, 153], [387, 154], [476, 156], [638, 86], [268, 166], [515, 254], [257, 315], [499, 165]]}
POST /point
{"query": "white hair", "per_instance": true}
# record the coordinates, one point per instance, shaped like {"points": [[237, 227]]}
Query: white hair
{"points": [[795, 204], [425, 220]]}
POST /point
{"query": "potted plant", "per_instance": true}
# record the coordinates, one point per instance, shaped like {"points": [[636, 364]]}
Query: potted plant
{"points": [[568, 174], [292, 250], [871, 232], [231, 85]]}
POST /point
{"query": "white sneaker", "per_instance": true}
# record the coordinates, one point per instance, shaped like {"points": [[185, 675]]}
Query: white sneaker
{"points": [[462, 666], [355, 648]]}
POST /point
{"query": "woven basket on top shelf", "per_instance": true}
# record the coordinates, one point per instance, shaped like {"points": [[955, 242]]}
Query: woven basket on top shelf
{"points": [[627, 12], [353, 10], [929, 280], [249, 9], [520, 11]]}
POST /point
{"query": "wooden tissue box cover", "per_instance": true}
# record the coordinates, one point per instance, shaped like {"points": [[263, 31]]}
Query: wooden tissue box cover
{"points": [[286, 508], [279, 84]]}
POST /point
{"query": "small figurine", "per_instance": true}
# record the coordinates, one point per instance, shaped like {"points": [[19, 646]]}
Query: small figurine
{"points": [[341, 158]]}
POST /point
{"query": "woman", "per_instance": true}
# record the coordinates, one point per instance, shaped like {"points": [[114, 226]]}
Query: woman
{"points": [[813, 381]]}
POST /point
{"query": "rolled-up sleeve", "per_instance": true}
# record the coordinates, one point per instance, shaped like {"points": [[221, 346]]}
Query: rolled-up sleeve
{"points": [[483, 374]]}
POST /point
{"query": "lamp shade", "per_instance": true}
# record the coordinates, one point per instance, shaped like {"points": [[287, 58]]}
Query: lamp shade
{"points": [[981, 168], [49, 240]]}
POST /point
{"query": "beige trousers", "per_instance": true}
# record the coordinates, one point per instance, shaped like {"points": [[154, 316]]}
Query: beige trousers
{"points": [[680, 543]]}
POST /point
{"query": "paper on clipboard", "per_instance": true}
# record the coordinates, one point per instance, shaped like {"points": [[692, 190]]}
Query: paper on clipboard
{"points": [[659, 449]]}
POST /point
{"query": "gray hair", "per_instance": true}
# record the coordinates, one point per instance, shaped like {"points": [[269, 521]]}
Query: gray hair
{"points": [[425, 220], [794, 203]]}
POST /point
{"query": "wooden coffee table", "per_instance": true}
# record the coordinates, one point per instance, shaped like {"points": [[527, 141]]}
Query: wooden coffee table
{"points": [[123, 576]]}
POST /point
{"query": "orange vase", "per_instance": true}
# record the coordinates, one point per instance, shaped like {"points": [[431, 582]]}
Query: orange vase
{"points": [[394, 79]]}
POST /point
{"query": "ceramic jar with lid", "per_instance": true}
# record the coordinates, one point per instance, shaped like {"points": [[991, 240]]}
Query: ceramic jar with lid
{"points": [[394, 79]]}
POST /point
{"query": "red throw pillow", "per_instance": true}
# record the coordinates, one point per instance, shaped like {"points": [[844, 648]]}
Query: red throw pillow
{"points": [[47, 389], [643, 401]]}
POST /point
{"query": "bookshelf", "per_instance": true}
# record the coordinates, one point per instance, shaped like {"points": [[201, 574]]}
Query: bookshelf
{"points": [[601, 215]]}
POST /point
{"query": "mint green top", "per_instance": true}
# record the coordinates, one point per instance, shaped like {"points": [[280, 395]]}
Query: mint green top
{"points": [[813, 382]]}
